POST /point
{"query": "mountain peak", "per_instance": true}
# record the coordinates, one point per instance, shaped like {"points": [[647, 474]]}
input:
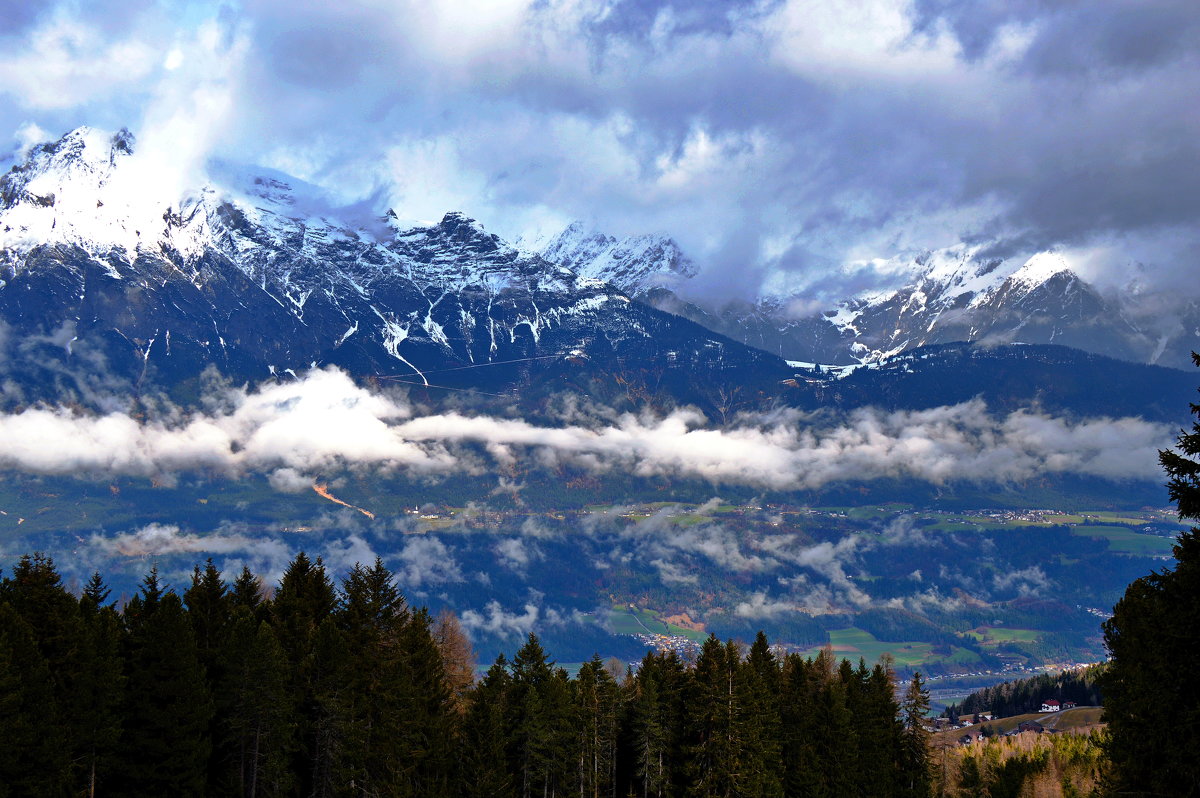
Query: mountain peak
{"points": [[63, 190], [635, 265], [461, 227], [454, 219], [84, 146], [1039, 269]]}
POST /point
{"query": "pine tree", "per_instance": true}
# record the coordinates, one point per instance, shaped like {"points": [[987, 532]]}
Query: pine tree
{"points": [[260, 728], [247, 591], [880, 735], [321, 701], [371, 617], [650, 726], [208, 609], [659, 742], [716, 721], [876, 727], [34, 756], [167, 740], [531, 720], [95, 592], [53, 615], [835, 743], [430, 719], [485, 740], [914, 709], [305, 598], [101, 685], [1152, 638], [971, 783], [762, 768], [144, 603], [302, 617], [798, 696], [559, 754]]}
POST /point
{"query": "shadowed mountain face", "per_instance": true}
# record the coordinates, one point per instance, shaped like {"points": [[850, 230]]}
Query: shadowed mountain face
{"points": [[105, 292]]}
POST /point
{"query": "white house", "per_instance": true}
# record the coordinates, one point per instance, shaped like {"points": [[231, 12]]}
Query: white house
{"points": [[1051, 705]]}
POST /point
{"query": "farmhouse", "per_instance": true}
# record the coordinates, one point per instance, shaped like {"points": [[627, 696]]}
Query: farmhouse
{"points": [[1051, 705]]}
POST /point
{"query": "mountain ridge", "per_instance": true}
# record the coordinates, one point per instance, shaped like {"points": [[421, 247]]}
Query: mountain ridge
{"points": [[245, 279], [955, 294]]}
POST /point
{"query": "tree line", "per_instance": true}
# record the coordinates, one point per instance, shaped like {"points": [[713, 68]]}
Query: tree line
{"points": [[325, 689], [1022, 696]]}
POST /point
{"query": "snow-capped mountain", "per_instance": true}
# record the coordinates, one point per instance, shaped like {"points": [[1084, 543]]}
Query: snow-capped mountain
{"points": [[105, 287], [957, 297], [949, 295], [638, 265]]}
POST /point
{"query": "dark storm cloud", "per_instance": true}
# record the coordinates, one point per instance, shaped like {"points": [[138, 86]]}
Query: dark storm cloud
{"points": [[1072, 36], [768, 137]]}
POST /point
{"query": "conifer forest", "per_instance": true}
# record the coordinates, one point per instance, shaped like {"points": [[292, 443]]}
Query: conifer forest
{"points": [[329, 690]]}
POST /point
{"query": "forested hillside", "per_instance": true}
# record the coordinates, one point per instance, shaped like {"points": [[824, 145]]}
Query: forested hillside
{"points": [[324, 690], [1027, 695]]}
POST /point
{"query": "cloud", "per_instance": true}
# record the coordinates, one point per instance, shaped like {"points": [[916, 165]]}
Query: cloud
{"points": [[718, 545], [65, 61], [960, 442], [29, 135], [425, 561], [344, 554], [672, 573], [323, 422], [786, 138], [759, 607], [1031, 581], [901, 531], [494, 620], [829, 560], [672, 548], [267, 555], [515, 554], [930, 598]]}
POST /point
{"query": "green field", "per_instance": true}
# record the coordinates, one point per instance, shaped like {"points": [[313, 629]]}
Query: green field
{"points": [[626, 621], [955, 526], [1126, 540], [854, 643], [872, 513], [995, 635]]}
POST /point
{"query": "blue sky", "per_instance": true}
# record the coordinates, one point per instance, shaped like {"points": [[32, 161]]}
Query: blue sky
{"points": [[797, 141]]}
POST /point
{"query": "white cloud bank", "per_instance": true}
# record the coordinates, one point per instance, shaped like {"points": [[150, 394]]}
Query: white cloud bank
{"points": [[296, 430], [267, 555]]}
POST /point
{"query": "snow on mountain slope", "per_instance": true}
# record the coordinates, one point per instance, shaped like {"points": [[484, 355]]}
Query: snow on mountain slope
{"points": [[259, 274], [635, 265], [960, 297]]}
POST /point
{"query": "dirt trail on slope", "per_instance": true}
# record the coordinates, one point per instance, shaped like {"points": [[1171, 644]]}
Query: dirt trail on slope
{"points": [[322, 490]]}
